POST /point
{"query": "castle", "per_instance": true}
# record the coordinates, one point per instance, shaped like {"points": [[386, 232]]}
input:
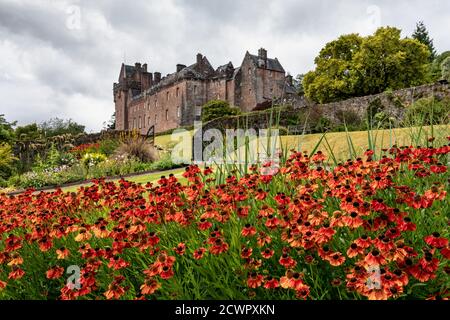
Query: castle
{"points": [[144, 99]]}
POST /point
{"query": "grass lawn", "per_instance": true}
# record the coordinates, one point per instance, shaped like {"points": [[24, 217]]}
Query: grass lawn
{"points": [[143, 178], [344, 144]]}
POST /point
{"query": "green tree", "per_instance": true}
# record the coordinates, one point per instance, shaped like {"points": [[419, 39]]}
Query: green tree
{"points": [[421, 34], [6, 129], [445, 69], [28, 132], [354, 66], [436, 66], [386, 61], [331, 80], [217, 108], [57, 126]]}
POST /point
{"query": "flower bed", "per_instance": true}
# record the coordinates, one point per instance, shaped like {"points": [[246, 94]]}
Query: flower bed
{"points": [[364, 229]]}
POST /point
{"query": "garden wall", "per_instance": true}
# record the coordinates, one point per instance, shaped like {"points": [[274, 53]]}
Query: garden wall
{"points": [[311, 116]]}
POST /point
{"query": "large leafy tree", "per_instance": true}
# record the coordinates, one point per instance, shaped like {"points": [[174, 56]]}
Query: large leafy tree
{"points": [[421, 34], [332, 79], [353, 66]]}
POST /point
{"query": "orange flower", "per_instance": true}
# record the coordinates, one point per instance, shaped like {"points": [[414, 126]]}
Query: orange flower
{"points": [[84, 235], [267, 253], [55, 272], [255, 280], [198, 254], [271, 283], [150, 286], [16, 273], [286, 261], [336, 259], [62, 253]]}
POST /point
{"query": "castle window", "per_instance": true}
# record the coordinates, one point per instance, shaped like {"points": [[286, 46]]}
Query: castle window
{"points": [[195, 89], [270, 73], [156, 118], [148, 121], [178, 91], [167, 94], [167, 114], [139, 123], [249, 70], [178, 111]]}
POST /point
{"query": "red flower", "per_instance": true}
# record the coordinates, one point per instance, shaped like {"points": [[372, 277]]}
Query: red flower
{"points": [[166, 272], [117, 263], [180, 249], [62, 253], [198, 254], [248, 230], [255, 280], [246, 253], [354, 250], [267, 253], [218, 247], [374, 258], [150, 286], [16, 273], [286, 261], [436, 241], [204, 224], [336, 259], [55, 272], [115, 291], [271, 283]]}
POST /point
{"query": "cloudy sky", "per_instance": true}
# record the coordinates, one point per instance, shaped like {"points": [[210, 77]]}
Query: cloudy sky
{"points": [[59, 58]]}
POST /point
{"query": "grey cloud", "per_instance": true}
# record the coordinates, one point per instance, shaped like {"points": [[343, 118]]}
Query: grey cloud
{"points": [[49, 70]]}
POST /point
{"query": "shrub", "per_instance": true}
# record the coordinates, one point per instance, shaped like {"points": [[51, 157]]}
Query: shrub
{"points": [[108, 146], [134, 145], [92, 159], [6, 161], [217, 108], [445, 69], [426, 111], [322, 125]]}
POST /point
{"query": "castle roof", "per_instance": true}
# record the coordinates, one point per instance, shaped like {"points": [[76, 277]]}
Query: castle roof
{"points": [[271, 64]]}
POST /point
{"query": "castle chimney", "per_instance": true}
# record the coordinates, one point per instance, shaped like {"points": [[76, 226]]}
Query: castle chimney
{"points": [[157, 77], [289, 79], [144, 67], [180, 67], [199, 58], [262, 54], [137, 65]]}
